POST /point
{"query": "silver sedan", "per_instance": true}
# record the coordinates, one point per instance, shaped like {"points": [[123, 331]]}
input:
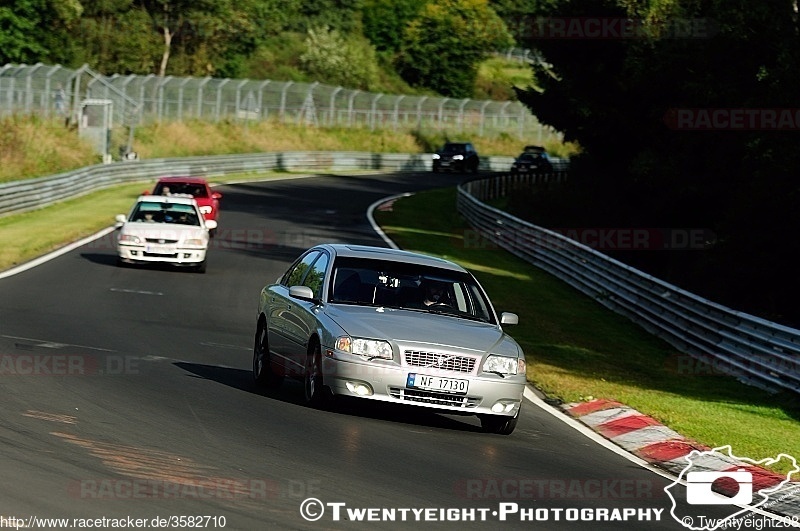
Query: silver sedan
{"points": [[392, 326]]}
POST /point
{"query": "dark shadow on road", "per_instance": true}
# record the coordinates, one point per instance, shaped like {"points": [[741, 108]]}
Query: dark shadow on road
{"points": [[291, 392]]}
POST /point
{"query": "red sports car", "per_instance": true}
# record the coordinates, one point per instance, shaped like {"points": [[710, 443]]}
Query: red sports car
{"points": [[197, 187]]}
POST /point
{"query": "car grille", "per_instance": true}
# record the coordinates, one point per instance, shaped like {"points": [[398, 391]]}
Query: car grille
{"points": [[439, 361], [431, 397], [161, 255], [160, 240]]}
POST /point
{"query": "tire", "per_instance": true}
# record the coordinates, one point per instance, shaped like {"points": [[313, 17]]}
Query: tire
{"points": [[200, 268], [499, 424], [315, 394], [263, 375]]}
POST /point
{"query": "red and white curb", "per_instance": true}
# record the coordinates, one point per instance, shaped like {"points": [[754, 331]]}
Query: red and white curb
{"points": [[648, 439]]}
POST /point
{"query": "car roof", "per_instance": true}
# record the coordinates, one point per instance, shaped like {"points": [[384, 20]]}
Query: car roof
{"points": [[182, 179], [177, 199], [386, 253], [534, 149], [457, 143]]}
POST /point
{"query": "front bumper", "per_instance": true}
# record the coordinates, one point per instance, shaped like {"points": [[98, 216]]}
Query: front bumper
{"points": [[178, 256], [388, 383]]}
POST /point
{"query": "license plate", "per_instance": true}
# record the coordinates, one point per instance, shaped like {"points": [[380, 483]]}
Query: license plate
{"points": [[437, 383], [160, 249]]}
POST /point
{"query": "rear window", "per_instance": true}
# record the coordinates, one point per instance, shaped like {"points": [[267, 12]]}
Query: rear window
{"points": [[192, 189]]}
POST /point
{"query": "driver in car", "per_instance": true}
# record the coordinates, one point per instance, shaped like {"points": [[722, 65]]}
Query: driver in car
{"points": [[435, 293]]}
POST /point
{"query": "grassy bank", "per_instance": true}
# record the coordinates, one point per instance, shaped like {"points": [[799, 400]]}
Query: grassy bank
{"points": [[578, 350], [32, 147]]}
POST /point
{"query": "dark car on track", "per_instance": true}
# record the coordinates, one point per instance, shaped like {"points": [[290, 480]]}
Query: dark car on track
{"points": [[456, 156], [533, 160]]}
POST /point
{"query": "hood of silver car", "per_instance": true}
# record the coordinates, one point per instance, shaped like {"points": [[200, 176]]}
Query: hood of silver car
{"points": [[408, 327]]}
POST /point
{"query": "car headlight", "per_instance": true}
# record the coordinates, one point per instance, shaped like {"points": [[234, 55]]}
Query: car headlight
{"points": [[436, 156], [368, 348], [129, 238], [503, 365], [458, 157], [194, 241]]}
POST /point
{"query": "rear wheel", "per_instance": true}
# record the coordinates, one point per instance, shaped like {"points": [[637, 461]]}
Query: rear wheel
{"points": [[499, 424], [263, 375]]}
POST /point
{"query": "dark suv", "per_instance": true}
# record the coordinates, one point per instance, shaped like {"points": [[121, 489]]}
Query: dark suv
{"points": [[456, 156]]}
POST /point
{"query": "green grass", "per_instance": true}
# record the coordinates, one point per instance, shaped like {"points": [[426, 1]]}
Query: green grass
{"points": [[578, 350], [27, 235]]}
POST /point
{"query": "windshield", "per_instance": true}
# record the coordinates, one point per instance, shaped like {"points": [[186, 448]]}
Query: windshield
{"points": [[173, 188], [152, 212], [454, 148], [408, 286]]}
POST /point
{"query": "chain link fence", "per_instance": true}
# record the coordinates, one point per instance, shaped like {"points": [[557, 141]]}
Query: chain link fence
{"points": [[58, 91]]}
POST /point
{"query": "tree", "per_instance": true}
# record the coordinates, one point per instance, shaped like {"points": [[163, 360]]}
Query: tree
{"points": [[385, 20], [330, 57], [444, 43], [201, 32], [37, 30], [616, 96]]}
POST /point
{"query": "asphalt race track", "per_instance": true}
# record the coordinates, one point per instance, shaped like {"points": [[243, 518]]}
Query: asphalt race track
{"points": [[126, 392]]}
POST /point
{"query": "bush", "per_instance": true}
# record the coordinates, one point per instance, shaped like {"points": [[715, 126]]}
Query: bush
{"points": [[332, 58]]}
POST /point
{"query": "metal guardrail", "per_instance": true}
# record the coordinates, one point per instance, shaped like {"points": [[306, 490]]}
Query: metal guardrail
{"points": [[19, 196], [757, 351]]}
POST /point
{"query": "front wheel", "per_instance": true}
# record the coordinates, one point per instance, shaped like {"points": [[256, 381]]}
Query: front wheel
{"points": [[316, 395], [263, 375], [499, 424]]}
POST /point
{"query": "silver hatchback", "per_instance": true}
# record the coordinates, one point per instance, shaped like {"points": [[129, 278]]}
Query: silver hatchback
{"points": [[392, 326]]}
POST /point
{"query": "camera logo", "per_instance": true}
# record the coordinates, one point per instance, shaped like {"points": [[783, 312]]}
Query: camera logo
{"points": [[736, 485], [700, 491]]}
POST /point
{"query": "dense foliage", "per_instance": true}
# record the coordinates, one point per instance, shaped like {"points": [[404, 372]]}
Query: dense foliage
{"points": [[626, 98], [356, 43]]}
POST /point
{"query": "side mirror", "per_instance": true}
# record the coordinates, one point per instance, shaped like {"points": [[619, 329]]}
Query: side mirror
{"points": [[211, 224], [509, 318], [216, 195], [120, 218], [301, 292]]}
